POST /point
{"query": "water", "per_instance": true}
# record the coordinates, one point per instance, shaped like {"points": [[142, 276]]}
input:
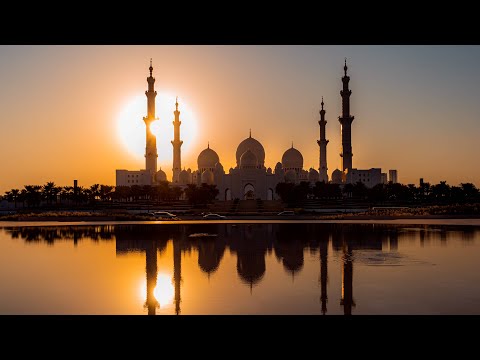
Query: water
{"points": [[255, 268]]}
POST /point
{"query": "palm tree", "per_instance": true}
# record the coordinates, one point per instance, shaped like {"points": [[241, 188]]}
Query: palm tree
{"points": [[33, 195], [470, 191], [106, 192], [48, 191], [121, 193], [8, 196], [15, 194], [66, 193], [94, 192], [23, 197]]}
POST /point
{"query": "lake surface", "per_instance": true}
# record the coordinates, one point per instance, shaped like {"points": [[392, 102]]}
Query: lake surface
{"points": [[241, 268]]}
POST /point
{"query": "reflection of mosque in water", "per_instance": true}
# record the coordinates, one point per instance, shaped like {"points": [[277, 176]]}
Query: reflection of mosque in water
{"points": [[251, 243]]}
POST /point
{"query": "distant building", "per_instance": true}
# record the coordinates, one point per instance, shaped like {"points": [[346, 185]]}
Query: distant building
{"points": [[384, 178], [138, 177], [369, 177], [392, 176]]}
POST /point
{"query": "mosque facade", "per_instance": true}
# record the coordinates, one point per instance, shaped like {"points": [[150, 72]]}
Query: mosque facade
{"points": [[250, 178]]}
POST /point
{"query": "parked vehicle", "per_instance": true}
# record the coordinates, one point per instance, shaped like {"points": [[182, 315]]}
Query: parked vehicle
{"points": [[164, 214], [214, 216], [286, 213]]}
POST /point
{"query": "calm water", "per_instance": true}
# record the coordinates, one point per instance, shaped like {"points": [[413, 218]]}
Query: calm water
{"points": [[280, 268]]}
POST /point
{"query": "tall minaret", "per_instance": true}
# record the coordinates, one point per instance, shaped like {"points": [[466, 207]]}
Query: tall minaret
{"points": [[346, 123], [151, 141], [151, 302], [323, 147], [177, 272], [177, 144], [324, 274], [347, 281]]}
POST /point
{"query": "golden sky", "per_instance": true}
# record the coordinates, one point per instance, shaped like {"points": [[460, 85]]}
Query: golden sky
{"points": [[415, 107]]}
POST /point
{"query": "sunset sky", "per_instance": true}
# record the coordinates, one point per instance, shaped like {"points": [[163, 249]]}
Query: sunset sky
{"points": [[63, 109]]}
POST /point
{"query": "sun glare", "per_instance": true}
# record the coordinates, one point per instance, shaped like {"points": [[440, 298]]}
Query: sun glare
{"points": [[164, 291], [131, 128]]}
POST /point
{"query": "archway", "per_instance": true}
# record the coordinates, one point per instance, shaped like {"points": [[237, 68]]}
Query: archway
{"points": [[228, 194], [270, 194], [249, 192]]}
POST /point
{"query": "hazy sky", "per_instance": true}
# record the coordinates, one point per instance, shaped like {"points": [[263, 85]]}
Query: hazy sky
{"points": [[416, 107]]}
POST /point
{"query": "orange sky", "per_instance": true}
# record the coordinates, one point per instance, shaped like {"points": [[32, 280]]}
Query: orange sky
{"points": [[415, 107]]}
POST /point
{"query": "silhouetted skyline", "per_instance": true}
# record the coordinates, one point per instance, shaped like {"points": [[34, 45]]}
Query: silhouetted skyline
{"points": [[415, 107]]}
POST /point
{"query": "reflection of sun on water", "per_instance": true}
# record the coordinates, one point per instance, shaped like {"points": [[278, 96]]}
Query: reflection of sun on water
{"points": [[131, 127], [164, 291]]}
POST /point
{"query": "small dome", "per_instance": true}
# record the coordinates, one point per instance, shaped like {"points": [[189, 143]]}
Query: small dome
{"points": [[292, 159], [337, 176], [269, 170], [278, 166], [219, 167], [254, 146], [184, 177], [160, 176], [290, 176], [248, 160], [313, 175], [207, 159], [207, 177]]}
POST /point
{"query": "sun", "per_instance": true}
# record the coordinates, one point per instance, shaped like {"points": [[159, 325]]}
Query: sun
{"points": [[164, 291], [131, 128]]}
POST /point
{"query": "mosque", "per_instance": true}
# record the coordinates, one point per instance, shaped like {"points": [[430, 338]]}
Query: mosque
{"points": [[250, 179]]}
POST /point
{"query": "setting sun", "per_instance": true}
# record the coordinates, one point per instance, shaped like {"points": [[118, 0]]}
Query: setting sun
{"points": [[163, 292], [131, 128]]}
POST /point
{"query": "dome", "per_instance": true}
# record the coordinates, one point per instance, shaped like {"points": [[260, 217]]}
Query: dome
{"points": [[290, 176], [207, 177], [254, 146], [292, 159], [337, 176], [248, 160], [184, 177], [313, 175], [219, 167], [160, 176], [207, 159]]}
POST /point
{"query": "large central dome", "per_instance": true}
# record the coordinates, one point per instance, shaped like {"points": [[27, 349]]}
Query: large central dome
{"points": [[254, 146], [207, 159]]}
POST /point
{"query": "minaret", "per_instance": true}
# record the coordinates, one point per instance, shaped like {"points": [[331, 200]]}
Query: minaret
{"points": [[322, 143], [347, 281], [346, 123], [177, 144], [151, 302], [177, 272], [324, 274], [151, 141]]}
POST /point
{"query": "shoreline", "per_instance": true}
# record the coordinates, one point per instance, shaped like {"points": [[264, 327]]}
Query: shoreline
{"points": [[448, 220]]}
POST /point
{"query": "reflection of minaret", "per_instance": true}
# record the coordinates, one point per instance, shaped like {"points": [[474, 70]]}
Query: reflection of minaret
{"points": [[323, 147], [177, 144], [347, 281], [151, 141], [346, 123], [151, 269], [324, 274], [177, 272]]}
